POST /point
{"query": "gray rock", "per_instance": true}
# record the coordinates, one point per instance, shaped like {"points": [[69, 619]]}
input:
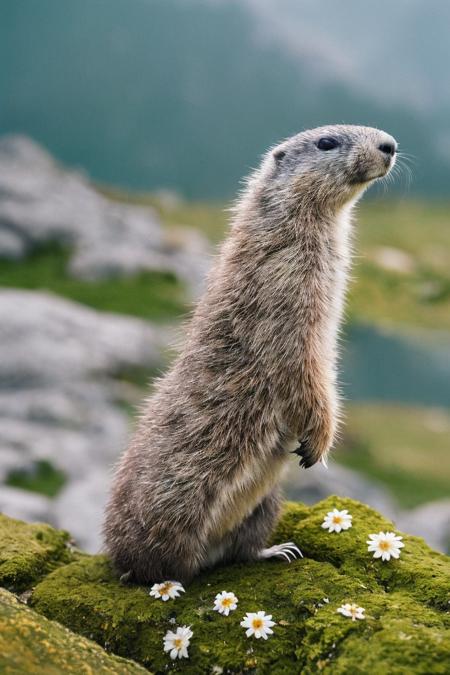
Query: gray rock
{"points": [[58, 399], [41, 202], [319, 482], [25, 505], [40, 333], [430, 521], [82, 504], [11, 246]]}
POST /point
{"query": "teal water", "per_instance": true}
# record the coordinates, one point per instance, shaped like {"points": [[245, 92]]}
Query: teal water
{"points": [[380, 366]]}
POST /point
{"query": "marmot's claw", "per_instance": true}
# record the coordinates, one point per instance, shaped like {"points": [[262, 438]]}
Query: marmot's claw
{"points": [[306, 453], [298, 451], [289, 551]]}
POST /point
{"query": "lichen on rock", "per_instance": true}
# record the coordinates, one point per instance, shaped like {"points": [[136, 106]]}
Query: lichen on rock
{"points": [[406, 629], [29, 552], [30, 643]]}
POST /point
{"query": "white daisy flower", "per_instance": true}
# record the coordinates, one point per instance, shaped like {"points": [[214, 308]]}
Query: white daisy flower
{"points": [[352, 610], [385, 545], [177, 643], [258, 624], [225, 602], [335, 520], [167, 590]]}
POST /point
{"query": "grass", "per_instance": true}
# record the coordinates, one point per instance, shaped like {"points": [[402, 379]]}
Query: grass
{"points": [[405, 448], [149, 295], [41, 477], [419, 297]]}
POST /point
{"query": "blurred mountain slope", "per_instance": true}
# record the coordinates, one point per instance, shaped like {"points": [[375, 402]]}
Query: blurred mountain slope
{"points": [[187, 94]]}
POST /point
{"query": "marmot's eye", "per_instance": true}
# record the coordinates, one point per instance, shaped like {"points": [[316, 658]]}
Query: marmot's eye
{"points": [[327, 143], [278, 155]]}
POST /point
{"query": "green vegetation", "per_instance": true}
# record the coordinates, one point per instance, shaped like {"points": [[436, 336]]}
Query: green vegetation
{"points": [[406, 448], [30, 643], [29, 552], [149, 295], [40, 477], [418, 296], [407, 629]]}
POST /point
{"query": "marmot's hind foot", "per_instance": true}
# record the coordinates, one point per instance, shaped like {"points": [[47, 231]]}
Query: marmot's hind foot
{"points": [[126, 577], [289, 551]]}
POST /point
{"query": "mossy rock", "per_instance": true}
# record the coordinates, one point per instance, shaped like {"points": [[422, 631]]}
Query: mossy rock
{"points": [[406, 629], [29, 552], [30, 643]]}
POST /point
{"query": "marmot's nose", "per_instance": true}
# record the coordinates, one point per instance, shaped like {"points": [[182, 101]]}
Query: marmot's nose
{"points": [[388, 148]]}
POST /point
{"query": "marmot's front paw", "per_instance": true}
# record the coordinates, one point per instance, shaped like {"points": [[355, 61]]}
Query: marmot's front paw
{"points": [[307, 454], [315, 444]]}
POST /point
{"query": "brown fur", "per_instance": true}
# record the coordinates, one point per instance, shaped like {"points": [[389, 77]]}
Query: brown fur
{"points": [[257, 373]]}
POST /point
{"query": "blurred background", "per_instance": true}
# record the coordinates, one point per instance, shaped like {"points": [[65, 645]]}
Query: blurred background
{"points": [[125, 128]]}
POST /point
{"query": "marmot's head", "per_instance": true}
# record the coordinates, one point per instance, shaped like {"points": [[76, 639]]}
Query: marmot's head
{"points": [[324, 168]]}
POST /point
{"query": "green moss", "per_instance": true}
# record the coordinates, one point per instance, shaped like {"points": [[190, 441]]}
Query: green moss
{"points": [[28, 552], [41, 477], [407, 629], [30, 643]]}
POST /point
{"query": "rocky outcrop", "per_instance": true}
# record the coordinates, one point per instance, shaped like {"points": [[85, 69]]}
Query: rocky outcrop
{"points": [[431, 521], [29, 552], [30, 643], [59, 393], [406, 629], [41, 202]]}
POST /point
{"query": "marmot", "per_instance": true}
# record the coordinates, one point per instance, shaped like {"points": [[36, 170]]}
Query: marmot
{"points": [[257, 376]]}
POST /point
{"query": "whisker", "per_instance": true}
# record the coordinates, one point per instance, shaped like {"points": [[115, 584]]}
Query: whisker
{"points": [[403, 171]]}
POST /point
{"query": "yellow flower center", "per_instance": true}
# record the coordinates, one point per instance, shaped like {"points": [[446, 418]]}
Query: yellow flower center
{"points": [[226, 602], [384, 545], [178, 642], [337, 520], [257, 624], [165, 588]]}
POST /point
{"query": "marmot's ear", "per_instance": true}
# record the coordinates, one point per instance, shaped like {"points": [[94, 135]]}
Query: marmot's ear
{"points": [[278, 155]]}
